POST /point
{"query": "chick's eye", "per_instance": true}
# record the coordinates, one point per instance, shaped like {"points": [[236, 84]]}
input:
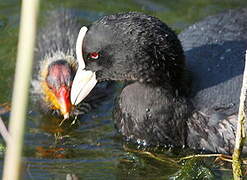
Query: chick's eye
{"points": [[93, 55]]}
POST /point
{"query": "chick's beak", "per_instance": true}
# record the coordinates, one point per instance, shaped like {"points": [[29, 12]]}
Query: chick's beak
{"points": [[83, 83], [63, 96]]}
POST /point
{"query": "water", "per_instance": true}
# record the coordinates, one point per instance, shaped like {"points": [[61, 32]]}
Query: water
{"points": [[91, 149]]}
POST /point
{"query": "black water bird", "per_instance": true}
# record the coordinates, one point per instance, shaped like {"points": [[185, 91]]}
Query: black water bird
{"points": [[56, 65], [171, 98]]}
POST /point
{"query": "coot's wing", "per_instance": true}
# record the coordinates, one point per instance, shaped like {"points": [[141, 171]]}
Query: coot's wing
{"points": [[215, 51]]}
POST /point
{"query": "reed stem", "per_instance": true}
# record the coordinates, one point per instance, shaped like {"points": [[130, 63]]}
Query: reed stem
{"points": [[12, 161], [240, 134]]}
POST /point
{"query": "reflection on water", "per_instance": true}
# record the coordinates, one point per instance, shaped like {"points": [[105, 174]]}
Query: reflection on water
{"points": [[91, 147]]}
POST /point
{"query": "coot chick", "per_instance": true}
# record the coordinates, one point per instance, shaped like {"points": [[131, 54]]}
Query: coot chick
{"points": [[56, 66], [157, 106]]}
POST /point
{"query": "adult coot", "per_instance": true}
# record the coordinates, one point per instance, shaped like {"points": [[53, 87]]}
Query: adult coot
{"points": [[167, 101], [56, 66]]}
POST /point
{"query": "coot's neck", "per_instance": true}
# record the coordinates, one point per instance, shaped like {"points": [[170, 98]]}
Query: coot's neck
{"points": [[175, 81], [152, 115]]}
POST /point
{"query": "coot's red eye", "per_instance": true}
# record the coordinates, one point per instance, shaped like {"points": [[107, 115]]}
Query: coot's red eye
{"points": [[94, 55]]}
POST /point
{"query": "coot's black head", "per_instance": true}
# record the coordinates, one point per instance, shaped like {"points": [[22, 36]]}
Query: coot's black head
{"points": [[128, 46]]}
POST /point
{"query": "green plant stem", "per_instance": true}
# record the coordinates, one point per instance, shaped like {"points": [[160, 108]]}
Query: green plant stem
{"points": [[240, 134], [12, 161]]}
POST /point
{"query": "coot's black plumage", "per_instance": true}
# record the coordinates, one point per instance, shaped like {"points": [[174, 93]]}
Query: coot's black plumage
{"points": [[215, 53], [56, 66], [157, 106]]}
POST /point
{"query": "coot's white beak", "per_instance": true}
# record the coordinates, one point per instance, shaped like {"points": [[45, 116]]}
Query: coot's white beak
{"points": [[84, 81]]}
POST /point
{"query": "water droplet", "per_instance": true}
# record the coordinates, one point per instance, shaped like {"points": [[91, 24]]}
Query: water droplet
{"points": [[147, 110], [228, 50]]}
